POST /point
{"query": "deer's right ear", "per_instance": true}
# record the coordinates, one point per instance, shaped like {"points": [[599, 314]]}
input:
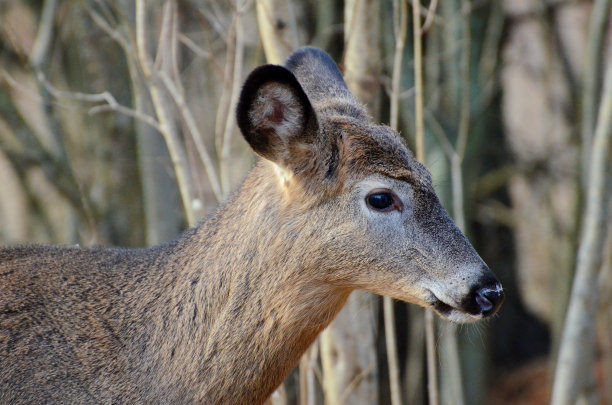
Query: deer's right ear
{"points": [[274, 112]]}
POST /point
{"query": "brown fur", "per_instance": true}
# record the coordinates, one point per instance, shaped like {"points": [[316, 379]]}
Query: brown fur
{"points": [[222, 314]]}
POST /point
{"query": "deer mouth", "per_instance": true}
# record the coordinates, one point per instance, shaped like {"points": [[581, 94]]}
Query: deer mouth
{"points": [[451, 313], [480, 303]]}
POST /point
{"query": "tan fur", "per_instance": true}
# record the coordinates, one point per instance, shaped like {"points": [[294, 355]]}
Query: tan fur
{"points": [[222, 314]]}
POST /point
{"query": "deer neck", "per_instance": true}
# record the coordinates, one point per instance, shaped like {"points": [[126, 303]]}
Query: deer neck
{"points": [[248, 307]]}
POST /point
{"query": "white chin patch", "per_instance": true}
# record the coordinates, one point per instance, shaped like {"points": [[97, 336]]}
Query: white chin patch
{"points": [[457, 316]]}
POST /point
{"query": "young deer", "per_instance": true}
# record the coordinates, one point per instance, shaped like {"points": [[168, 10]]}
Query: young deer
{"points": [[222, 314]]}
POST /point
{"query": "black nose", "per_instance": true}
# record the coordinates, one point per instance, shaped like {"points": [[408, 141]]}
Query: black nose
{"points": [[489, 299]]}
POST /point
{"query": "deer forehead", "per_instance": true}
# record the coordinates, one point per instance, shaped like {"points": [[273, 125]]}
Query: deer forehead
{"points": [[367, 149]]}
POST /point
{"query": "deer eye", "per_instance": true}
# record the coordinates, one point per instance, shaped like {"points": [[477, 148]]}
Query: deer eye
{"points": [[383, 201]]}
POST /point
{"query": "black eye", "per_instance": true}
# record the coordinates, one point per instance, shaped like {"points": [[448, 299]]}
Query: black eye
{"points": [[383, 200]]}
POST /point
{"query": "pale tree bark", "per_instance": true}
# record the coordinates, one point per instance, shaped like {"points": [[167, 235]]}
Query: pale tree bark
{"points": [[348, 353], [592, 77], [348, 349], [277, 29], [574, 374], [362, 58], [544, 192], [604, 320]]}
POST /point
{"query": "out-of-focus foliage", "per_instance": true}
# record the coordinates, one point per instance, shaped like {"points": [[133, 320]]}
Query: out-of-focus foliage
{"points": [[119, 130]]}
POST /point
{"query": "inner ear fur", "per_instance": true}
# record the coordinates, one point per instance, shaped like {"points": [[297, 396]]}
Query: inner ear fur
{"points": [[274, 114]]}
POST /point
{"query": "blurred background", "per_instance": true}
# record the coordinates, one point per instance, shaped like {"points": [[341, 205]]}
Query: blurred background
{"points": [[117, 128]]}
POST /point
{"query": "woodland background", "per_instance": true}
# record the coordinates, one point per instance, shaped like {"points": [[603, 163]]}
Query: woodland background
{"points": [[117, 128]]}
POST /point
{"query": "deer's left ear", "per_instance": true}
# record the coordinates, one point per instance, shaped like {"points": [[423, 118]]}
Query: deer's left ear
{"points": [[274, 114]]}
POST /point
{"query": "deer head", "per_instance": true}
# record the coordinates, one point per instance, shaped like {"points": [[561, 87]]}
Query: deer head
{"points": [[359, 200]]}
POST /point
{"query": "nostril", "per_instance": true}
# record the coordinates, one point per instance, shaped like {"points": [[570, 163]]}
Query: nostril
{"points": [[484, 304], [489, 300]]}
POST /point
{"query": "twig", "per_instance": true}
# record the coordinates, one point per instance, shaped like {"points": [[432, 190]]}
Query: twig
{"points": [[236, 80], [195, 134], [202, 53], [488, 59], [223, 110], [440, 135], [356, 381], [400, 23], [307, 377], [432, 368], [432, 374], [431, 12], [391, 343], [418, 82], [105, 96], [464, 119], [118, 108], [141, 41], [44, 34], [113, 33], [175, 147]]}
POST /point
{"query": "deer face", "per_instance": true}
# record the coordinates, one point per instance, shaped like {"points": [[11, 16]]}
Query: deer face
{"points": [[371, 206]]}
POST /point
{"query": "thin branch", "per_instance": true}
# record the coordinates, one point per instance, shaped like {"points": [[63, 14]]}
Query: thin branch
{"points": [[440, 135], [44, 35], [400, 23], [141, 41], [174, 50], [173, 142], [418, 82], [356, 381], [432, 363], [464, 119], [128, 112], [105, 97], [195, 134], [488, 57], [199, 51], [597, 27], [392, 355], [112, 33], [236, 81], [307, 375], [429, 19], [432, 373], [223, 110]]}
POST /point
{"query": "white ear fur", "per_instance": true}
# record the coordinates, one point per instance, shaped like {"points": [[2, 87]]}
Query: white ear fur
{"points": [[276, 108], [274, 114]]}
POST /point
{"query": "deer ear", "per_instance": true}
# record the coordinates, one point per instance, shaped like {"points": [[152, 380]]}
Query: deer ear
{"points": [[274, 112]]}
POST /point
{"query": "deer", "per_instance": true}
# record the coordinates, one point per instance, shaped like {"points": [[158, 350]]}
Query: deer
{"points": [[223, 313]]}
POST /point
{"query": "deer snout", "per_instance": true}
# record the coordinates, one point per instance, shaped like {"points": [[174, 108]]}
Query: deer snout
{"points": [[485, 298]]}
